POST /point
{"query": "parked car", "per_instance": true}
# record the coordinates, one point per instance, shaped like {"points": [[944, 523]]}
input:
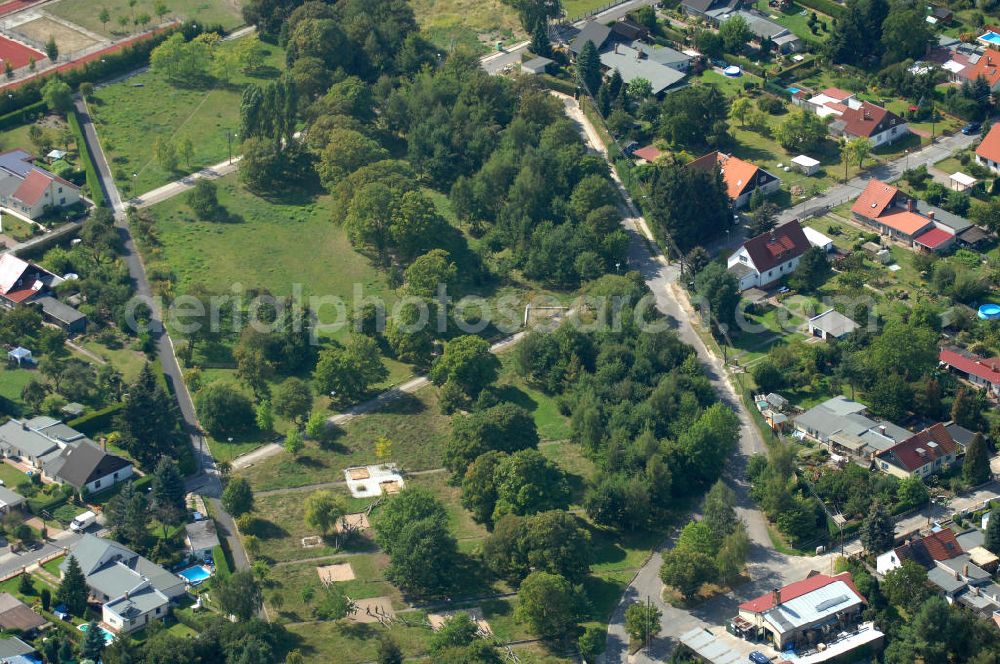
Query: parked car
{"points": [[757, 657], [972, 128]]}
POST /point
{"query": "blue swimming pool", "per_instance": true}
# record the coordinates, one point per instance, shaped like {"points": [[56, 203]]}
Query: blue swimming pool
{"points": [[195, 575], [108, 636], [793, 90], [990, 38], [989, 311]]}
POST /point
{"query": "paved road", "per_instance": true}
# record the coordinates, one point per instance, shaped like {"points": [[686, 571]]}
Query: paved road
{"points": [[187, 182], [887, 172], [766, 567], [208, 483], [12, 562]]}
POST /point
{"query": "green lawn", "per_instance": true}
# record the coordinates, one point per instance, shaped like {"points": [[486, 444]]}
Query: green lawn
{"points": [[577, 8], [730, 86], [263, 249], [413, 423], [12, 381], [797, 23], [289, 581], [355, 643], [132, 114], [11, 476], [125, 359], [469, 23], [85, 13], [552, 425]]}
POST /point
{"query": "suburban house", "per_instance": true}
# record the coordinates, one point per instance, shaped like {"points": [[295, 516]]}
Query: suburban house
{"points": [[632, 64], [23, 283], [962, 436], [882, 207], [922, 454], [741, 177], [988, 66], [825, 103], [979, 371], [665, 55], [764, 259], [988, 151], [200, 538], [817, 619], [87, 468], [939, 545], [831, 324], [10, 500], [592, 31], [762, 29], [862, 119], [16, 615], [132, 589], [627, 30], [709, 9], [30, 190], [844, 427], [15, 651], [63, 454]]}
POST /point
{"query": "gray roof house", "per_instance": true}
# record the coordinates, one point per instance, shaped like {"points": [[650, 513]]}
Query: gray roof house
{"points": [[633, 64], [592, 31], [71, 320], [953, 221], [10, 500], [133, 590], [15, 650], [841, 424], [664, 55], [201, 537], [18, 439], [86, 467], [831, 324]]}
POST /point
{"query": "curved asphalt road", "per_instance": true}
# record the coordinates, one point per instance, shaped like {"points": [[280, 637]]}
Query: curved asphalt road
{"points": [[207, 483]]}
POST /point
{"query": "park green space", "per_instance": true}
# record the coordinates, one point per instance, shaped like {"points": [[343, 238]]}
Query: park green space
{"points": [[413, 423], [289, 581], [468, 23], [131, 114], [86, 13], [265, 247]]}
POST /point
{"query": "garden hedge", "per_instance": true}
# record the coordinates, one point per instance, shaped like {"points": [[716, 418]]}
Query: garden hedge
{"points": [[89, 167]]}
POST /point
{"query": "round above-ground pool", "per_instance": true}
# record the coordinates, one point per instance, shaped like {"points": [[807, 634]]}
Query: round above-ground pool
{"points": [[989, 311], [732, 71]]}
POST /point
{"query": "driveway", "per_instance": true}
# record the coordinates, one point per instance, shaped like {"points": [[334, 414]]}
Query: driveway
{"points": [[13, 562]]}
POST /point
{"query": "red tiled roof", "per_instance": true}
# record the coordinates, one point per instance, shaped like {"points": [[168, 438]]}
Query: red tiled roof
{"points": [[935, 442], [904, 221], [867, 120], [990, 146], [837, 93], [943, 545], [737, 174], [649, 153], [807, 585], [988, 67], [19, 296], [988, 370], [873, 201], [768, 250], [934, 238], [33, 187]]}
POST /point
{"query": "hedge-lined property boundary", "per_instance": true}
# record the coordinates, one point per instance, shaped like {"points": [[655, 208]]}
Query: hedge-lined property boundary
{"points": [[96, 421], [89, 167]]}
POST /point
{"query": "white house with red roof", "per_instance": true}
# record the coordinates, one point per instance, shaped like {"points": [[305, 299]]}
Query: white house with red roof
{"points": [[987, 67], [31, 190], [921, 455], [741, 177], [979, 371], [765, 259], [891, 213], [803, 614], [826, 103], [862, 119], [988, 151]]}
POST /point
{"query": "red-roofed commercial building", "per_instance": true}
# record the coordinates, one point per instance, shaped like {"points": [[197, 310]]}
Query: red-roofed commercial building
{"points": [[891, 213], [866, 120], [979, 371], [765, 259], [31, 190], [797, 616], [921, 455], [741, 177], [988, 151]]}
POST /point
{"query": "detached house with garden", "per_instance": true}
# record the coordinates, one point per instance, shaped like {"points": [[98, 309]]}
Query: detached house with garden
{"points": [[765, 259], [988, 151], [741, 177], [31, 190], [885, 209]]}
